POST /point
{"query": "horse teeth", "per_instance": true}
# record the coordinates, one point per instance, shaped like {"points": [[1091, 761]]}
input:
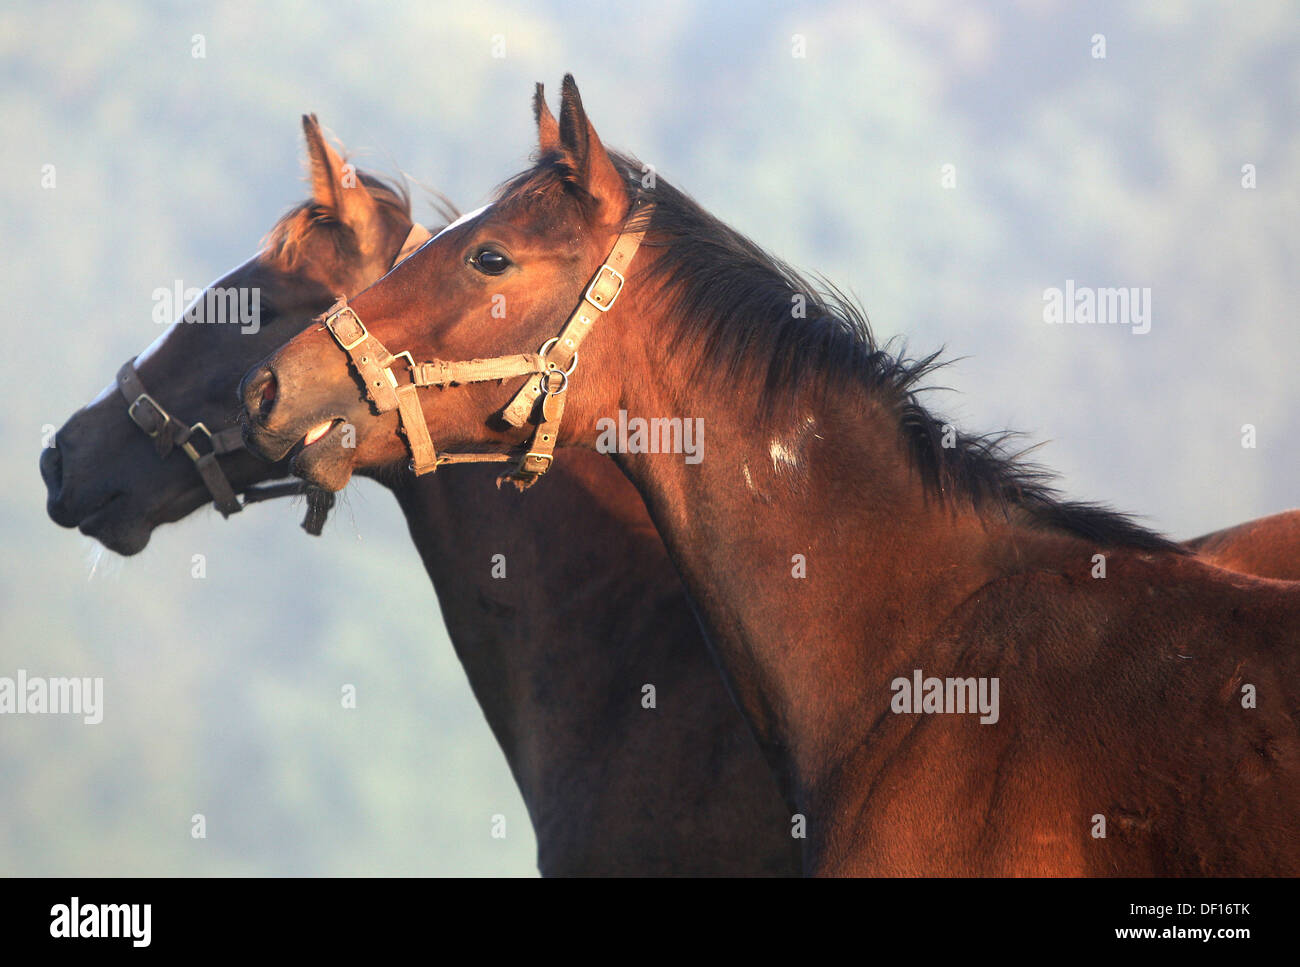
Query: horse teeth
{"points": [[316, 432]]}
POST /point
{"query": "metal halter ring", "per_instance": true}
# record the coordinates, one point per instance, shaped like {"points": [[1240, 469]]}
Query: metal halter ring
{"points": [[551, 342], [546, 382]]}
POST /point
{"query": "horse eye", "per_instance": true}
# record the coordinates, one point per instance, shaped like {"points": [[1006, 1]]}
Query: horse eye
{"points": [[489, 261]]}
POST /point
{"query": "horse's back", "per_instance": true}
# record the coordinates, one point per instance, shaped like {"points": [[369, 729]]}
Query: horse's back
{"points": [[1268, 547]]}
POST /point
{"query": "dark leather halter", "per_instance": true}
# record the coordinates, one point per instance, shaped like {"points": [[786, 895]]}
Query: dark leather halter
{"points": [[203, 447], [549, 368]]}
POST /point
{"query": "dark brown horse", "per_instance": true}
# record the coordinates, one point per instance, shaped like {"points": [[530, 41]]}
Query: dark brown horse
{"points": [[559, 671], [951, 669]]}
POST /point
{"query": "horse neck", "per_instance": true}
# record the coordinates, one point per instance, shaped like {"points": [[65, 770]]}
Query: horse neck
{"points": [[825, 491], [557, 652]]}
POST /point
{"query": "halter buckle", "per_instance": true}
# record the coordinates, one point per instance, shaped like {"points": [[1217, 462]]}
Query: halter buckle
{"points": [[548, 457], [342, 338], [162, 416], [188, 447], [410, 364], [602, 298]]}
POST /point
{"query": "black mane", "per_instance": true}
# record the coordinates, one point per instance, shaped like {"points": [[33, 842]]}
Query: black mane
{"points": [[731, 306]]}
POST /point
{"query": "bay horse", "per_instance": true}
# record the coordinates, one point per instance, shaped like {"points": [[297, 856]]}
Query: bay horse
{"points": [[951, 669], [678, 788], [1268, 547]]}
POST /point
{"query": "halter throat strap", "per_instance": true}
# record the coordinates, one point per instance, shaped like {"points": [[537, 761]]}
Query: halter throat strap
{"points": [[539, 401]]}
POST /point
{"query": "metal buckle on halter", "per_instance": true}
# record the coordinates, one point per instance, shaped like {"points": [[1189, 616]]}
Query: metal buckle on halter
{"points": [[188, 447], [548, 457], [410, 364], [161, 415], [600, 300], [341, 339]]}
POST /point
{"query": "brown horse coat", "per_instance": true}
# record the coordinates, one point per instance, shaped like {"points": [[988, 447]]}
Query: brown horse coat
{"points": [[836, 545], [679, 787]]}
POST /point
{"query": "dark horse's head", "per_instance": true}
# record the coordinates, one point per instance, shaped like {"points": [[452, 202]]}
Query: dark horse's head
{"points": [[105, 475], [496, 283]]}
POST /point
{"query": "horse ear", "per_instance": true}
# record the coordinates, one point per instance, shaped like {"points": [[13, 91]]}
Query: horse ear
{"points": [[593, 168], [548, 129], [325, 165], [335, 185]]}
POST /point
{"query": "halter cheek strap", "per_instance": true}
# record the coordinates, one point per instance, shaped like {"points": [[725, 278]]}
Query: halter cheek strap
{"points": [[203, 447], [548, 370], [375, 365], [168, 432], [562, 358]]}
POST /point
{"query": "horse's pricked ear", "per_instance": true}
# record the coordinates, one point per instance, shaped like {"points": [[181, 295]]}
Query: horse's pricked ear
{"points": [[592, 165], [548, 129], [324, 163], [336, 185]]}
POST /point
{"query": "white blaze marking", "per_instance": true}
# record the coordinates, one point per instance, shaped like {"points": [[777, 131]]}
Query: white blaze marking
{"points": [[457, 223]]}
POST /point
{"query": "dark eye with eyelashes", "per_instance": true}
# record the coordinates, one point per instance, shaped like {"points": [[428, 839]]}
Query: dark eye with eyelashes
{"points": [[489, 261]]}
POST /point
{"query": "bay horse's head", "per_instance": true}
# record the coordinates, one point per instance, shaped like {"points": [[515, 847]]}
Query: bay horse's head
{"points": [[486, 312], [118, 467]]}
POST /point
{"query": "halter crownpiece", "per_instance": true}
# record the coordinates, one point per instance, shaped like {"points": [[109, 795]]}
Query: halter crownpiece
{"points": [[549, 370], [167, 433]]}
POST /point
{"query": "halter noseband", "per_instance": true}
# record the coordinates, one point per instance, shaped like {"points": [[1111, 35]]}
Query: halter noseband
{"points": [[167, 433], [549, 368]]}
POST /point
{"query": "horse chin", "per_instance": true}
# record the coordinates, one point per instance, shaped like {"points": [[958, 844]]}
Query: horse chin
{"points": [[123, 537], [326, 464]]}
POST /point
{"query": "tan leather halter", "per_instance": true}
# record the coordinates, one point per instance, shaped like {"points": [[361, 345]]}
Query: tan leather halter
{"points": [[167, 433], [549, 368]]}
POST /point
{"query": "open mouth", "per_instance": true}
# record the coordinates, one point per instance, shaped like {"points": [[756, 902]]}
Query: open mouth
{"points": [[318, 433], [320, 457]]}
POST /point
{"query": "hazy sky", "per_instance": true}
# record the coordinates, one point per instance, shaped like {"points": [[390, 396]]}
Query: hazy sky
{"points": [[1126, 170]]}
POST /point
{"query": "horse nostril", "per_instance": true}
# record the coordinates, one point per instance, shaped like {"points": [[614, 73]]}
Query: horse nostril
{"points": [[56, 494], [52, 468], [267, 399], [258, 391]]}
